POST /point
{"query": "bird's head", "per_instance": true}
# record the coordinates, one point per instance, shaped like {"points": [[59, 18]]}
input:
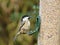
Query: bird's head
{"points": [[25, 17]]}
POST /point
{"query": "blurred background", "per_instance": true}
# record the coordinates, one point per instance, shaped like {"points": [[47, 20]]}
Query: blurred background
{"points": [[11, 12]]}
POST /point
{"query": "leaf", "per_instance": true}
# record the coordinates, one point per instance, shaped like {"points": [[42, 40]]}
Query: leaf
{"points": [[37, 26]]}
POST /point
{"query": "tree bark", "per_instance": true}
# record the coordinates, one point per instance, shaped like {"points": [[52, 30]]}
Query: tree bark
{"points": [[50, 23]]}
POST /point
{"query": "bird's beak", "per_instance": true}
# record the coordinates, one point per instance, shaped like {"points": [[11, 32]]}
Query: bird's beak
{"points": [[30, 17]]}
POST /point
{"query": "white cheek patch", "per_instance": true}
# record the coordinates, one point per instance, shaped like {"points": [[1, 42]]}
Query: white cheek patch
{"points": [[26, 18]]}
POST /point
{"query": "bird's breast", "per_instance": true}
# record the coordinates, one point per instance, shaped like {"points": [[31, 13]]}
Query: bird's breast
{"points": [[26, 25]]}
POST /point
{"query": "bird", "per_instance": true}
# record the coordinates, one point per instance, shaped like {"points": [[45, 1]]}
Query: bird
{"points": [[24, 25]]}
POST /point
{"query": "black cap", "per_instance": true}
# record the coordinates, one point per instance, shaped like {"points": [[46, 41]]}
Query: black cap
{"points": [[25, 16]]}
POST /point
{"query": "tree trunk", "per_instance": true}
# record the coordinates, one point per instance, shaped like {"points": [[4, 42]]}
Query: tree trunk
{"points": [[50, 23]]}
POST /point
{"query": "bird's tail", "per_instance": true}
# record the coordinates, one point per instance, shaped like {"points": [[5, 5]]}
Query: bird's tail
{"points": [[16, 36]]}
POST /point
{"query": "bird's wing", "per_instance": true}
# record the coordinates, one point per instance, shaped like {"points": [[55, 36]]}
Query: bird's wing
{"points": [[19, 28], [22, 23]]}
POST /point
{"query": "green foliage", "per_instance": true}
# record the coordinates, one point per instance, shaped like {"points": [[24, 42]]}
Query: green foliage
{"points": [[11, 12], [37, 26]]}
